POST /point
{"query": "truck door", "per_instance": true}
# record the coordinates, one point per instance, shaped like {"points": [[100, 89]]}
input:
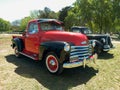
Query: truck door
{"points": [[32, 38]]}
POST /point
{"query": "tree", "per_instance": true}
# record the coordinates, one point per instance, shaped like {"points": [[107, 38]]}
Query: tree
{"points": [[46, 13], [115, 15], [71, 20], [15, 26], [64, 12], [24, 23], [4, 25], [100, 15]]}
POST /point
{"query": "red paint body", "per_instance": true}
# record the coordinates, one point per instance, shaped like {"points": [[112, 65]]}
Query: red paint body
{"points": [[33, 41]]}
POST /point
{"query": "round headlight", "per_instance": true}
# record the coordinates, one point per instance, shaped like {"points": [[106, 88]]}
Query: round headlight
{"points": [[93, 43], [103, 40], [67, 47]]}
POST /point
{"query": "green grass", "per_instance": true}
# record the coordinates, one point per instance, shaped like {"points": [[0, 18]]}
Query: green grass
{"points": [[26, 74]]}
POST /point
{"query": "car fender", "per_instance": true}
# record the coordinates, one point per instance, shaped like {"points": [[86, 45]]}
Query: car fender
{"points": [[53, 46], [98, 43], [19, 43]]}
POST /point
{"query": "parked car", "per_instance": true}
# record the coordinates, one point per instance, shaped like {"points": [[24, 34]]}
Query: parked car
{"points": [[45, 39], [103, 41]]}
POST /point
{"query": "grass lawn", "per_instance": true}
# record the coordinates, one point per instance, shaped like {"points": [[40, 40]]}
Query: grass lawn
{"points": [[26, 74]]}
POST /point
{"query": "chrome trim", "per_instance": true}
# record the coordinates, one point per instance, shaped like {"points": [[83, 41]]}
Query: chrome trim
{"points": [[80, 52], [80, 63], [78, 49], [74, 56], [79, 46], [106, 49], [83, 57], [27, 55], [72, 65], [84, 42]]}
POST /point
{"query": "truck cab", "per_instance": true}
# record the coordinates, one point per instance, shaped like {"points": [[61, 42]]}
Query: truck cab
{"points": [[45, 39]]}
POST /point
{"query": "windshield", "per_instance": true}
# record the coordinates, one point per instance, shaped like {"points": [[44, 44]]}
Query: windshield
{"points": [[51, 26], [86, 31], [82, 30]]}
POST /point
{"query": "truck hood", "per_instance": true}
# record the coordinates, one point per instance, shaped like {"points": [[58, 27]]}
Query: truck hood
{"points": [[70, 37]]}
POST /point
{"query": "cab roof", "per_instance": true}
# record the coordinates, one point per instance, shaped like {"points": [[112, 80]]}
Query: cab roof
{"points": [[47, 20]]}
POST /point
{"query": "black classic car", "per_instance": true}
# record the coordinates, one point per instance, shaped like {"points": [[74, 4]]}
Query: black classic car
{"points": [[102, 41]]}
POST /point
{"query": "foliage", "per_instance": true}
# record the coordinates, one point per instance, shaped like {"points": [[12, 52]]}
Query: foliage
{"points": [[15, 26], [46, 13], [100, 15], [4, 25], [24, 23], [64, 12]]}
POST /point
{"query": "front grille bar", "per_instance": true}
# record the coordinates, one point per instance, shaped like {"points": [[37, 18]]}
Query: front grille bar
{"points": [[80, 52]]}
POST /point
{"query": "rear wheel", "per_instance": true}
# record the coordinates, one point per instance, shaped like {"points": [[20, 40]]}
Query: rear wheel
{"points": [[17, 54], [52, 63]]}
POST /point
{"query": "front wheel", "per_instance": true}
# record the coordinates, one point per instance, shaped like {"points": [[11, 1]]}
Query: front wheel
{"points": [[17, 54], [52, 63]]}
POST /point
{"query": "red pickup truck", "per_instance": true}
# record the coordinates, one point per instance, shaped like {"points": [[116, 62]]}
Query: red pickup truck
{"points": [[45, 39]]}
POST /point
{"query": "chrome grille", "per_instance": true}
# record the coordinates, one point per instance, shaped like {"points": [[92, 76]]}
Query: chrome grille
{"points": [[80, 52]]}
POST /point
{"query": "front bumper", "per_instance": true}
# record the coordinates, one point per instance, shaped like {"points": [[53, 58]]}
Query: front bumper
{"points": [[80, 63], [107, 48]]}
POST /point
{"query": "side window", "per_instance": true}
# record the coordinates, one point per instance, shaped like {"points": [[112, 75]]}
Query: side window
{"points": [[33, 28]]}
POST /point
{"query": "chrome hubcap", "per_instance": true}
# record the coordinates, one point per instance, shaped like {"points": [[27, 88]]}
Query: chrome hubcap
{"points": [[52, 62]]}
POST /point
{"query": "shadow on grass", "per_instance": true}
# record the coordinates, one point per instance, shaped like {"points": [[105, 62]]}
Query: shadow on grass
{"points": [[68, 79], [105, 56]]}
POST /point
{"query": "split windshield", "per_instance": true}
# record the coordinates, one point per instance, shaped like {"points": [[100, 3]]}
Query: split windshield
{"points": [[86, 31], [82, 30], [46, 26]]}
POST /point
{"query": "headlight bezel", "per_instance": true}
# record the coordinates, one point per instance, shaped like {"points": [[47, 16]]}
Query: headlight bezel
{"points": [[103, 40], [92, 42], [67, 47]]}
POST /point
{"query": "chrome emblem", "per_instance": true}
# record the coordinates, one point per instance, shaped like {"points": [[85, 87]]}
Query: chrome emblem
{"points": [[84, 42]]}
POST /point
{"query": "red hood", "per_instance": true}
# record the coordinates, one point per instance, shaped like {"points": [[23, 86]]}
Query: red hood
{"points": [[75, 38]]}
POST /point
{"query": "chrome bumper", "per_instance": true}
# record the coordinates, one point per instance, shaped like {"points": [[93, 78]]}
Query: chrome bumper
{"points": [[107, 48], [80, 63]]}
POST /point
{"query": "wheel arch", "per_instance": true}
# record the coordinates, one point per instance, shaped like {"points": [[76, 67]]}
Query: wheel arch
{"points": [[19, 43], [98, 47], [98, 43], [53, 46]]}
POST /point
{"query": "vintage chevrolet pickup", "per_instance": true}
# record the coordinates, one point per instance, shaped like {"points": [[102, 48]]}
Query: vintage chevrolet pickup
{"points": [[45, 39]]}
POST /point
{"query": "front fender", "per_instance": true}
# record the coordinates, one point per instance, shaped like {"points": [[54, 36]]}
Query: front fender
{"points": [[17, 42], [98, 44], [53, 46]]}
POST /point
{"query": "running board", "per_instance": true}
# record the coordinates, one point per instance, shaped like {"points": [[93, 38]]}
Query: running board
{"points": [[27, 55]]}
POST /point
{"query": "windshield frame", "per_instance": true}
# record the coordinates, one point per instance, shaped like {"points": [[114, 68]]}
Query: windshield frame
{"points": [[83, 30], [48, 26]]}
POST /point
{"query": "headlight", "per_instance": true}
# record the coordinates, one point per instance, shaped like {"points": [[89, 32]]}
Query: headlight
{"points": [[67, 47], [92, 42], [103, 39]]}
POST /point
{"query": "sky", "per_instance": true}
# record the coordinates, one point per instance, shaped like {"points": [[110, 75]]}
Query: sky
{"points": [[12, 10]]}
